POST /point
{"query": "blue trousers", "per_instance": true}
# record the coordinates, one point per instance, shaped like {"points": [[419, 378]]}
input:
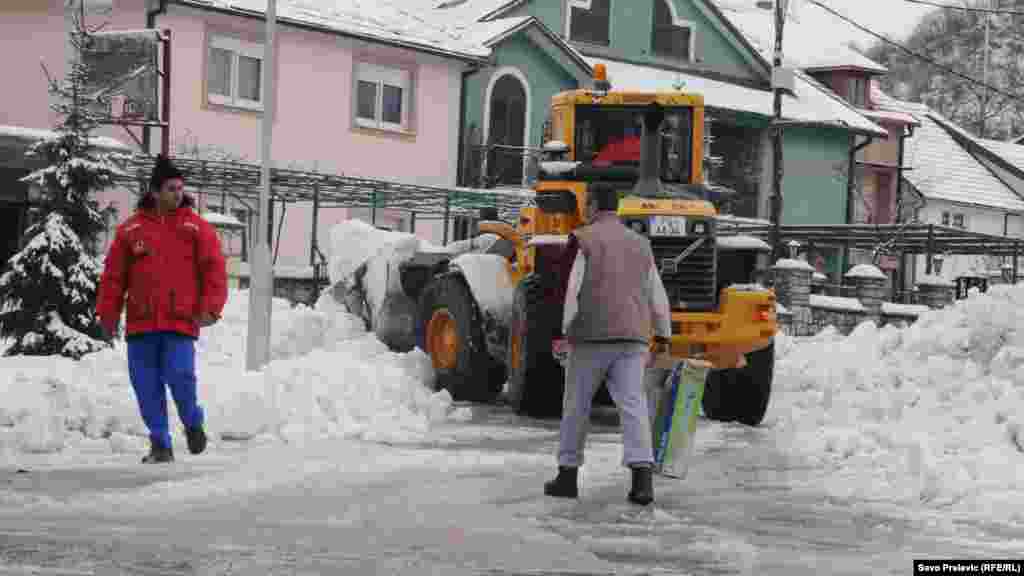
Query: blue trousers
{"points": [[159, 359]]}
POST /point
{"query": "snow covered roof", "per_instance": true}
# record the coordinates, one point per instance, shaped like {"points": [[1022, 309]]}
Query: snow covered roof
{"points": [[803, 47], [491, 32], [470, 10], [813, 104], [891, 116], [942, 168], [405, 23], [36, 134], [1009, 151]]}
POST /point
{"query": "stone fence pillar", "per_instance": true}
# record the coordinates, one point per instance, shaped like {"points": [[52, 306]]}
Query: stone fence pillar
{"points": [[869, 285], [936, 292], [793, 291]]}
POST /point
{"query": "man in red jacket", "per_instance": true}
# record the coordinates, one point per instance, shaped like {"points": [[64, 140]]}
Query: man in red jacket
{"points": [[167, 261]]}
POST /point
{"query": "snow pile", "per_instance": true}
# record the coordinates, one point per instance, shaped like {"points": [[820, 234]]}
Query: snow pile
{"points": [[930, 413], [366, 257], [328, 378]]}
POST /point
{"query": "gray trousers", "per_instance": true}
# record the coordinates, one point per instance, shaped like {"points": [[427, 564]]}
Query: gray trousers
{"points": [[621, 366]]}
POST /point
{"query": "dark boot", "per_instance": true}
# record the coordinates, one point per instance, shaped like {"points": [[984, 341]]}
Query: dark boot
{"points": [[564, 485], [643, 486], [158, 455], [196, 439]]}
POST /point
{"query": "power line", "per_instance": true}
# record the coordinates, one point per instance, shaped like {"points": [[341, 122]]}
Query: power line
{"points": [[967, 9], [913, 53]]}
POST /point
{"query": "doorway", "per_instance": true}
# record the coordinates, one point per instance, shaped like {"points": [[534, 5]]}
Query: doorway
{"points": [[507, 126]]}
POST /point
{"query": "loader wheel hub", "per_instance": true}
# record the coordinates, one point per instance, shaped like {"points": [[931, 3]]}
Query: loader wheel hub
{"points": [[442, 340]]}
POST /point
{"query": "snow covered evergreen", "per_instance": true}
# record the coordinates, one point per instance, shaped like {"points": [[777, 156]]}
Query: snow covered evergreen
{"points": [[48, 292]]}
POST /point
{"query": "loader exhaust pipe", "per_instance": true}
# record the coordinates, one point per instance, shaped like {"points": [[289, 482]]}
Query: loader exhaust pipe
{"points": [[648, 184]]}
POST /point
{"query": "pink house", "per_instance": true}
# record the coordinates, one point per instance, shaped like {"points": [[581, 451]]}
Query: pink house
{"points": [[364, 94]]}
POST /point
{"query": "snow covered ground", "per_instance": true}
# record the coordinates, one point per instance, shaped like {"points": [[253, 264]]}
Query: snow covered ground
{"points": [[328, 378], [930, 416]]}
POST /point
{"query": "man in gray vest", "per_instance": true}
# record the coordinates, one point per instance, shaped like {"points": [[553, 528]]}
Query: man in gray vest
{"points": [[614, 303]]}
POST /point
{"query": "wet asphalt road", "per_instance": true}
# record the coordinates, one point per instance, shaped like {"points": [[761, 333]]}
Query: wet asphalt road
{"points": [[468, 502]]}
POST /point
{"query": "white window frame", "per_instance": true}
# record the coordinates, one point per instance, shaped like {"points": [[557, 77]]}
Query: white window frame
{"points": [[383, 75], [586, 5], [237, 48], [678, 23]]}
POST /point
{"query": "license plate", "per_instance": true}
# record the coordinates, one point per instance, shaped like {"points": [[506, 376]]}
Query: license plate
{"points": [[668, 226]]}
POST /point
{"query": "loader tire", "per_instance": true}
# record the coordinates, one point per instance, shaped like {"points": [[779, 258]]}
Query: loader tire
{"points": [[451, 329], [536, 380], [741, 395]]}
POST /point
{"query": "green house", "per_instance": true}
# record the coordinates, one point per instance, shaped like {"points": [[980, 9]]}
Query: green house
{"points": [[541, 47]]}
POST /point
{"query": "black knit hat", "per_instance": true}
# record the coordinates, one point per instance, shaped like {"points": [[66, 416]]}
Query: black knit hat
{"points": [[163, 171]]}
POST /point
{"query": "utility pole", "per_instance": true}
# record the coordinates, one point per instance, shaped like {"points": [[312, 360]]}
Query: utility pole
{"points": [[261, 278], [776, 205], [985, 94]]}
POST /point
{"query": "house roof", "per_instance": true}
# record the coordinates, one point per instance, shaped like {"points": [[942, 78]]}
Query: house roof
{"points": [[396, 22], [1009, 151], [942, 169], [812, 104], [803, 46], [491, 32], [471, 10]]}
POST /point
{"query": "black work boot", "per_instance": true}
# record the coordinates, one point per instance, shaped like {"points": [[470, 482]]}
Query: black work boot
{"points": [[158, 455], [643, 486], [564, 485], [196, 439]]}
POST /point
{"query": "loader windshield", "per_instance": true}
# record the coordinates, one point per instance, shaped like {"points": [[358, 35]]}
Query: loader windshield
{"points": [[610, 136]]}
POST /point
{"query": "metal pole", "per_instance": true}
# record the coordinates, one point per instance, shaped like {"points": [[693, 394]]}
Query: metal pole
{"points": [[165, 142], [316, 218], [931, 249], [447, 213], [412, 222], [261, 275], [1016, 255], [780, 20]]}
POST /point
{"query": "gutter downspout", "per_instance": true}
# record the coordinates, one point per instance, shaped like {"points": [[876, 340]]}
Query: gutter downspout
{"points": [[151, 23], [851, 184], [461, 160]]}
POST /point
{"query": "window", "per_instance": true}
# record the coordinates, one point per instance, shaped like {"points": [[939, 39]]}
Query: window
{"points": [[382, 97], [959, 221], [945, 218], [608, 136], [669, 38], [234, 73], [590, 21], [858, 92]]}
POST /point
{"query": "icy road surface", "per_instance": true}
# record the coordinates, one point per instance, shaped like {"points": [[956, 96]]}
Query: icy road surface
{"points": [[468, 501]]}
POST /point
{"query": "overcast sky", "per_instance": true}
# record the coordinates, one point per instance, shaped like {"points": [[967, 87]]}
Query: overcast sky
{"points": [[894, 18]]}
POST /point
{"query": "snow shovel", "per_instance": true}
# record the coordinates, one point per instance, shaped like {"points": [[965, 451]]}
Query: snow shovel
{"points": [[675, 420]]}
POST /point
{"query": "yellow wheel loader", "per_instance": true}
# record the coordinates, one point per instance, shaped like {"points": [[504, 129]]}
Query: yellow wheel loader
{"points": [[492, 314]]}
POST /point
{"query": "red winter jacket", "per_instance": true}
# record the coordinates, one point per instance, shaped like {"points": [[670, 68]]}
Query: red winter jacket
{"points": [[171, 269]]}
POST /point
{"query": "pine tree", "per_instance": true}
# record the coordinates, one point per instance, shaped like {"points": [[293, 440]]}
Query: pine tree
{"points": [[49, 290]]}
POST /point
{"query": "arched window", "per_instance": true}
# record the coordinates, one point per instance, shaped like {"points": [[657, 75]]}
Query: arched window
{"points": [[670, 38]]}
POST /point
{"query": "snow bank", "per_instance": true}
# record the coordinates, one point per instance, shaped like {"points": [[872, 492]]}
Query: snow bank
{"points": [[792, 264], [327, 378], [932, 413], [866, 271]]}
